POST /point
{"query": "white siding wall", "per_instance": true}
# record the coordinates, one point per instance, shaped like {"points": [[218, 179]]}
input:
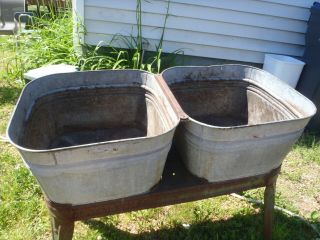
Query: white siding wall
{"points": [[240, 30]]}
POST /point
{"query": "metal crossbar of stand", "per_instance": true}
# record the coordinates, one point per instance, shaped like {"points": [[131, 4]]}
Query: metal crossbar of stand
{"points": [[176, 186]]}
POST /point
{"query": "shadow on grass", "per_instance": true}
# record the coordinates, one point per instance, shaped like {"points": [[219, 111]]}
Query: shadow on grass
{"points": [[308, 140], [248, 226], [9, 94]]}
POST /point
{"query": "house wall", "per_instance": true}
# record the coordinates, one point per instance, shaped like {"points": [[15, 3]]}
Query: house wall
{"points": [[240, 30]]}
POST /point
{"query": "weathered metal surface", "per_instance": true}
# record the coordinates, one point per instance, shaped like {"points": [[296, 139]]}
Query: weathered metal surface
{"points": [[268, 210], [172, 189], [179, 111], [62, 229], [242, 120], [94, 136]]}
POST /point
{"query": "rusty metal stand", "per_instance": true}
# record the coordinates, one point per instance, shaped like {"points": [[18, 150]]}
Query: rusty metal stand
{"points": [[268, 210], [62, 229], [176, 186]]}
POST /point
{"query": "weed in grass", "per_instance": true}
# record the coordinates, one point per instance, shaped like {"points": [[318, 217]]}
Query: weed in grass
{"points": [[202, 211], [308, 148], [295, 176], [280, 200]]}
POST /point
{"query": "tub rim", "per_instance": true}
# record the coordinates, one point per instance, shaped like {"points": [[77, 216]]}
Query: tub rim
{"points": [[190, 119], [125, 140]]}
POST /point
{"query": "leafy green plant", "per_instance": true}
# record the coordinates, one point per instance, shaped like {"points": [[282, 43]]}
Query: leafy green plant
{"points": [[134, 54], [50, 41]]}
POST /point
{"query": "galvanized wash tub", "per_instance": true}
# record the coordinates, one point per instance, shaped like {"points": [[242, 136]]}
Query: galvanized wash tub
{"points": [[94, 136], [240, 121]]}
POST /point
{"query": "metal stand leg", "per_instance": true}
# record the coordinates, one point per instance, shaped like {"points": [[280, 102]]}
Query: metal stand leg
{"points": [[62, 230], [269, 197]]}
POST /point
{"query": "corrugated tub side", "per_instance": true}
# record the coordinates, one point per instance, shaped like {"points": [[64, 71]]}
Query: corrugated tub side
{"points": [[223, 153], [97, 171]]}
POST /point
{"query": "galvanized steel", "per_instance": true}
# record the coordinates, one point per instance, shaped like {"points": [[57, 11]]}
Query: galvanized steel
{"points": [[242, 120], [94, 136]]}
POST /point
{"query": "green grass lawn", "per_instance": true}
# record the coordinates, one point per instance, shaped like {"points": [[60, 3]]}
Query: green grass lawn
{"points": [[23, 214]]}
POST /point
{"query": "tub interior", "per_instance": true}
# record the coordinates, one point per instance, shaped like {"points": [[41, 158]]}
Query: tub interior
{"points": [[90, 115], [227, 103]]}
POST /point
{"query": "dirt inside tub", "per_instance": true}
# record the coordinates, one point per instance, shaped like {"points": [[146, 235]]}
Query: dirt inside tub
{"points": [[90, 115], [228, 103]]}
